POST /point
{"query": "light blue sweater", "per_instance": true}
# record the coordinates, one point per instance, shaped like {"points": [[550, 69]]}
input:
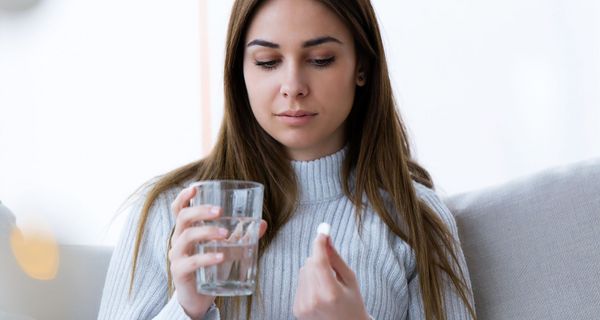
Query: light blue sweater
{"points": [[384, 264]]}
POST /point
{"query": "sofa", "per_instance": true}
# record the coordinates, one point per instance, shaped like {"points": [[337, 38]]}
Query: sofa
{"points": [[532, 247]]}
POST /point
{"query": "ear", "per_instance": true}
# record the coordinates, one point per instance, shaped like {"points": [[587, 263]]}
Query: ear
{"points": [[361, 78]]}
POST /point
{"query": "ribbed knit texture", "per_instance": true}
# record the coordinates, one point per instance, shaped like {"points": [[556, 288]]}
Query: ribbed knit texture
{"points": [[384, 264]]}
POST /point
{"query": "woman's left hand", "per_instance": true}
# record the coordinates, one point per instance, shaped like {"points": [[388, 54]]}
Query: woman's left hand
{"points": [[327, 287]]}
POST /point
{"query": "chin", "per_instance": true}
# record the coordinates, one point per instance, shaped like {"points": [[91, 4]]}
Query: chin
{"points": [[297, 145], [297, 142]]}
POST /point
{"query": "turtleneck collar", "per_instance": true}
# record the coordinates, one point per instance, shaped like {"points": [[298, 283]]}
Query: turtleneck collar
{"points": [[320, 179]]}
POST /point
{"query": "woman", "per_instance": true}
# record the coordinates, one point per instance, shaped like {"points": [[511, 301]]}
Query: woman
{"points": [[309, 113]]}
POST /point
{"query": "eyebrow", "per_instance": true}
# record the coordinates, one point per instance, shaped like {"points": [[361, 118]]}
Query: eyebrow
{"points": [[306, 44]]}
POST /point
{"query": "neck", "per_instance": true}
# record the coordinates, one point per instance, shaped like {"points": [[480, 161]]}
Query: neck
{"points": [[320, 179], [332, 145]]}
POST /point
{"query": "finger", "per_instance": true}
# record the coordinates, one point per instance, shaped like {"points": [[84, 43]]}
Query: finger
{"points": [[304, 294], [320, 264], [188, 216], [190, 236], [182, 200], [183, 267], [250, 235], [262, 228], [343, 271], [237, 233], [319, 249], [245, 263]]}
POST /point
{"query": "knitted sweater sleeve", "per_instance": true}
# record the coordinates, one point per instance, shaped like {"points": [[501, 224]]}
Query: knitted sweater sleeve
{"points": [[149, 297], [453, 304]]}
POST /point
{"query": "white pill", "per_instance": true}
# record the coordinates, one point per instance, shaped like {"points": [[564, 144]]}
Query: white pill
{"points": [[324, 228]]}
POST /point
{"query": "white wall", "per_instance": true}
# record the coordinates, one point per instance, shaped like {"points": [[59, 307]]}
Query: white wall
{"points": [[492, 90], [98, 96]]}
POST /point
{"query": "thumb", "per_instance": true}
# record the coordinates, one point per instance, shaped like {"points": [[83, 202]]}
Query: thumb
{"points": [[262, 228]]}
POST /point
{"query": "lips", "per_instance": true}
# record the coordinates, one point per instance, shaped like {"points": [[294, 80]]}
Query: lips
{"points": [[296, 118], [296, 113]]}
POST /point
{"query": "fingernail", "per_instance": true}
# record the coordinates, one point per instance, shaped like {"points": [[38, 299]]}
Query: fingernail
{"points": [[215, 210], [218, 256], [223, 231]]}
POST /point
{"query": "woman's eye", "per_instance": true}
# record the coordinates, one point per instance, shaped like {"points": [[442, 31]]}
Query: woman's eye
{"points": [[321, 63], [267, 65], [272, 64]]}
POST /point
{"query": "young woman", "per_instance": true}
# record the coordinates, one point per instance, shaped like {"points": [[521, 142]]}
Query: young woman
{"points": [[309, 113]]}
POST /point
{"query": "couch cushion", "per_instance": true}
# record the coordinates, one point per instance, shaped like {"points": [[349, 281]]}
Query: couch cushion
{"points": [[74, 293], [533, 245]]}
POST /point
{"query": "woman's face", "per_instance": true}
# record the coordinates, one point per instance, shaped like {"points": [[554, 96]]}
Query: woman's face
{"points": [[300, 72]]}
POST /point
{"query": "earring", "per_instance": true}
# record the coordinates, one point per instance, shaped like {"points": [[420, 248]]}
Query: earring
{"points": [[361, 78]]}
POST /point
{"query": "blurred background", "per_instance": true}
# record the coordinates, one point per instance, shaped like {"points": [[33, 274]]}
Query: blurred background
{"points": [[96, 99]]}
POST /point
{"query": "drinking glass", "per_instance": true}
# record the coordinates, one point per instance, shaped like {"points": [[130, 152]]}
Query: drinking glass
{"points": [[241, 202]]}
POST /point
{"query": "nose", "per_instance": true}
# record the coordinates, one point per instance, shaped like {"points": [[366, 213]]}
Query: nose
{"points": [[294, 86]]}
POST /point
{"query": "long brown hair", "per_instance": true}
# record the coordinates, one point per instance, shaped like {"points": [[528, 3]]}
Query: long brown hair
{"points": [[378, 157]]}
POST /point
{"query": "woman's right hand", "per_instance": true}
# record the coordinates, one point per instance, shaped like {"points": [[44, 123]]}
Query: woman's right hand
{"points": [[184, 262]]}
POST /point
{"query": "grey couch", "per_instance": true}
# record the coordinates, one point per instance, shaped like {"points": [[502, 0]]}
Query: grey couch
{"points": [[532, 248], [533, 245]]}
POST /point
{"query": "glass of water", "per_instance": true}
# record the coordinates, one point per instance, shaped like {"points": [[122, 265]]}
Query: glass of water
{"points": [[241, 202]]}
